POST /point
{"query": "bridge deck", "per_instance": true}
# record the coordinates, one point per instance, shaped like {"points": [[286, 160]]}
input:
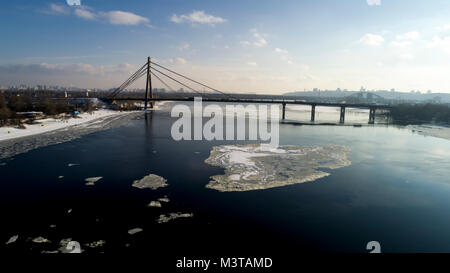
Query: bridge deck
{"points": [[278, 101]]}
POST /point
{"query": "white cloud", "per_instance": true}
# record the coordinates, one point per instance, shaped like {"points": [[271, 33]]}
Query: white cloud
{"points": [[282, 51], [400, 43], [184, 46], [118, 17], [252, 64], [80, 74], [373, 2], [197, 17], [260, 41], [440, 43], [85, 14], [115, 17], [83, 68], [372, 39], [180, 61], [172, 61], [412, 35], [287, 59], [443, 28], [407, 56], [58, 9], [405, 39]]}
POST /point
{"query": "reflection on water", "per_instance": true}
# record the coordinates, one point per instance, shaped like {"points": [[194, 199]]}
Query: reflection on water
{"points": [[395, 192]]}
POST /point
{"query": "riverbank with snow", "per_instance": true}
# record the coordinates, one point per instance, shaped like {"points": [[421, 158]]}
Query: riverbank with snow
{"points": [[53, 131], [431, 130], [51, 124], [57, 131]]}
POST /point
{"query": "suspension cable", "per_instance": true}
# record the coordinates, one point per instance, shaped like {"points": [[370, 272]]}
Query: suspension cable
{"points": [[170, 88], [177, 81], [204, 85]]}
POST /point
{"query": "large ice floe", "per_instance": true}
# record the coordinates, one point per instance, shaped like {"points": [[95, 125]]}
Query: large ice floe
{"points": [[257, 167], [151, 181]]}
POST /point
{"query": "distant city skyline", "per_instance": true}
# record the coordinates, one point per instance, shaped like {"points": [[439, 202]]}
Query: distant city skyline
{"points": [[262, 46]]}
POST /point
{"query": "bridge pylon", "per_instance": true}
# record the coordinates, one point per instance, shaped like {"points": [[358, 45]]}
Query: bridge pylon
{"points": [[148, 86]]}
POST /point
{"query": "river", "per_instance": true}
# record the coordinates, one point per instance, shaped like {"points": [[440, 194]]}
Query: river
{"points": [[396, 191]]}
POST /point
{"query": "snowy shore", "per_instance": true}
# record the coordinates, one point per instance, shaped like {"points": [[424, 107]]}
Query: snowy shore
{"points": [[51, 124], [431, 130]]}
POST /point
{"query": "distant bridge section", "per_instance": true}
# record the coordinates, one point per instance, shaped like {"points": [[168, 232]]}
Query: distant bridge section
{"points": [[164, 74]]}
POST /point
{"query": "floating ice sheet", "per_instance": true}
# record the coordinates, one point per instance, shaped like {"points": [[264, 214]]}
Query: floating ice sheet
{"points": [[257, 167]]}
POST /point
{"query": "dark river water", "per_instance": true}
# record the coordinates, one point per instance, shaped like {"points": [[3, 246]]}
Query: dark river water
{"points": [[396, 192]]}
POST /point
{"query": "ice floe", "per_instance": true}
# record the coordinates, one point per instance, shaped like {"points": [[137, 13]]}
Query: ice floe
{"points": [[257, 167], [92, 180], [155, 204], [134, 231], [151, 181], [13, 239], [173, 215]]}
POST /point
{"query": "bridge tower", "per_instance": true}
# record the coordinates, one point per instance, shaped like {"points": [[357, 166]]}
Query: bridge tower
{"points": [[342, 117], [148, 86], [372, 115]]}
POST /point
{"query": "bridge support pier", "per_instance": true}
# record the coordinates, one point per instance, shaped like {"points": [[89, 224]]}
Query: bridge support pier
{"points": [[313, 112], [283, 115], [342, 118], [372, 115]]}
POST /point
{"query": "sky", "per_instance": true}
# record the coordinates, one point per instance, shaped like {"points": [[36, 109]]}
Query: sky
{"points": [[251, 46]]}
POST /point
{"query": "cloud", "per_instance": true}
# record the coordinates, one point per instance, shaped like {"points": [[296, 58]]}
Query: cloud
{"points": [[405, 40], [81, 68], [372, 39], [180, 61], [252, 64], [82, 74], [412, 35], [407, 56], [197, 17], [373, 2], [57, 9], [85, 14], [400, 43], [443, 28], [440, 43], [260, 41], [118, 17], [184, 46], [287, 59], [281, 51]]}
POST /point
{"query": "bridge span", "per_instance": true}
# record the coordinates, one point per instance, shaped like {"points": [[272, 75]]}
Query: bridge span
{"points": [[372, 107], [151, 68]]}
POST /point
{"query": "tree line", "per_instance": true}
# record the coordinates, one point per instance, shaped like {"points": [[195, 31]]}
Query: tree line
{"points": [[420, 113], [13, 103]]}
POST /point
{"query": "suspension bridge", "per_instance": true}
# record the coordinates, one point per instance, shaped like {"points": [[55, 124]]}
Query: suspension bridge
{"points": [[152, 70]]}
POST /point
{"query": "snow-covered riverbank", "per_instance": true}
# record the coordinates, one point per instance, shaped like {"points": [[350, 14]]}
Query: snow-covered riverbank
{"points": [[431, 130], [51, 124]]}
